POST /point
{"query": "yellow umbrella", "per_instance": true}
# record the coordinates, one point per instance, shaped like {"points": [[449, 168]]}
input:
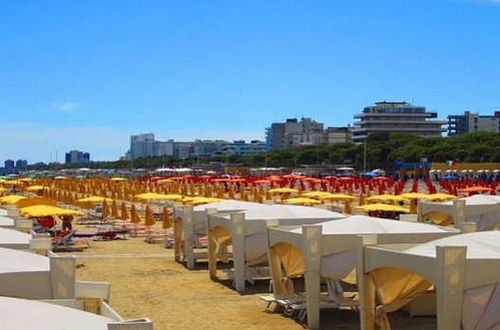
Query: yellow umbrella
{"points": [[118, 179], [155, 196], [414, 195], [46, 210], [94, 199], [35, 188], [25, 202], [149, 219], [315, 194], [124, 213], [11, 199], [166, 221], [383, 207], [302, 201], [165, 181], [338, 197], [440, 197], [283, 190], [387, 198]]}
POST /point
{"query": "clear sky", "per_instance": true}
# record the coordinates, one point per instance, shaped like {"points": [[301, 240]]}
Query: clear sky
{"points": [[87, 74]]}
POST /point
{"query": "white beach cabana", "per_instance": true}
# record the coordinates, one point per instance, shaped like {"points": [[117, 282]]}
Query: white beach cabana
{"points": [[246, 232], [190, 223], [63, 314], [464, 270], [6, 222], [327, 251], [14, 239], [29, 275], [482, 210]]}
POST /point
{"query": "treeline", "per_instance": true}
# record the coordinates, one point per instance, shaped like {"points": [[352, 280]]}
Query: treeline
{"points": [[382, 151]]}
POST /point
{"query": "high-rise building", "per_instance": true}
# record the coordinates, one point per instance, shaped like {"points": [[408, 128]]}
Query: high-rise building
{"points": [[400, 117], [142, 145], [9, 164], [293, 133], [21, 163], [472, 122], [77, 157]]}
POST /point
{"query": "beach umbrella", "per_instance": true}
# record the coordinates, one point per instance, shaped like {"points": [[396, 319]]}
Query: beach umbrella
{"points": [[25, 202], [386, 198], [440, 197], [124, 213], [46, 210], [94, 199], [11, 199], [114, 209], [149, 219], [383, 207], [347, 208], [35, 188], [134, 215], [105, 209], [165, 217], [302, 201], [337, 197], [283, 190]]}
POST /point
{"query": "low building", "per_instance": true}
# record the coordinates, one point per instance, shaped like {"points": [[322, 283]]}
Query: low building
{"points": [[77, 157], [241, 148], [400, 117], [473, 122]]}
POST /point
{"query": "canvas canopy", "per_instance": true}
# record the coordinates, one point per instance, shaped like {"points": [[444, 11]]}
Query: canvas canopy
{"points": [[36, 315], [484, 210], [338, 265], [10, 238], [396, 285], [6, 222], [24, 274]]}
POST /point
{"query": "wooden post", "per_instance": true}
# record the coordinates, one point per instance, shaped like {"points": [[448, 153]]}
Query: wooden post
{"points": [[188, 236], [212, 252], [458, 212], [450, 285], [366, 287], [311, 240], [238, 242]]}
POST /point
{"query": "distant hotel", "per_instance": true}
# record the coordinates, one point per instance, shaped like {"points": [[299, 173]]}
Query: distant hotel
{"points": [[145, 145], [77, 157], [399, 117], [472, 122], [293, 133]]}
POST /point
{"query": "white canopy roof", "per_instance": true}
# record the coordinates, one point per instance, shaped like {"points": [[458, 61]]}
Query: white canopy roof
{"points": [[4, 221], [35, 315], [480, 245], [19, 261], [11, 236], [281, 212], [360, 224], [3, 212], [477, 200], [228, 205]]}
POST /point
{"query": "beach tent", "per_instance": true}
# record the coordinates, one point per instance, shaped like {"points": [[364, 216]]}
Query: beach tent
{"points": [[13, 239], [328, 250], [246, 232], [482, 210], [29, 275], [63, 314], [190, 224], [464, 270], [6, 222]]}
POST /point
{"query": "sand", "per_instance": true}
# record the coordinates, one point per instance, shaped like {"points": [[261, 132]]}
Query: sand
{"points": [[147, 282]]}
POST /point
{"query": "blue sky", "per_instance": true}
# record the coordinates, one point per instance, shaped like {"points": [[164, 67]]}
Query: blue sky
{"points": [[87, 74]]}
